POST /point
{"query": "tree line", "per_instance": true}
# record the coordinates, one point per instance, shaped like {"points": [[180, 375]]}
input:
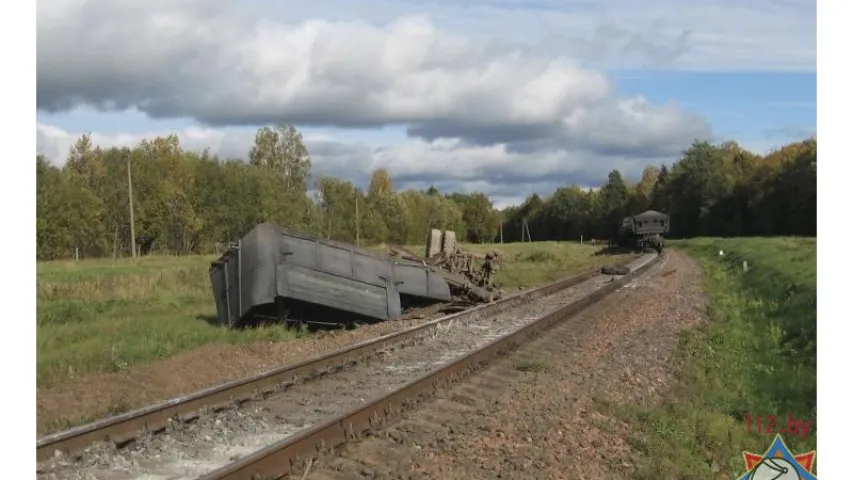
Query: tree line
{"points": [[186, 202]]}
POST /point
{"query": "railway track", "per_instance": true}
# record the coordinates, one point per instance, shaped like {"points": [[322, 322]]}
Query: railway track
{"points": [[472, 430], [209, 435]]}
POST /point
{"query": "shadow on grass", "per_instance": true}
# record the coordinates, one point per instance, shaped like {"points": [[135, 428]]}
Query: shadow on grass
{"points": [[211, 320], [615, 250]]}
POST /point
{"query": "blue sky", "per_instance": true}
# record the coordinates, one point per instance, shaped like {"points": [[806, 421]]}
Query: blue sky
{"points": [[509, 98], [757, 109]]}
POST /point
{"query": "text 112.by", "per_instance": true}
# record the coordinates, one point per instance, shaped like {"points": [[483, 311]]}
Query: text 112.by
{"points": [[770, 424]]}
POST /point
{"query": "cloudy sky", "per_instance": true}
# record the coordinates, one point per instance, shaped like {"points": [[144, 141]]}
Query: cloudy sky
{"points": [[500, 96]]}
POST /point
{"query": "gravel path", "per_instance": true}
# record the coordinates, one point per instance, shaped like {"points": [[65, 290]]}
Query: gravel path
{"points": [[533, 414], [215, 440]]}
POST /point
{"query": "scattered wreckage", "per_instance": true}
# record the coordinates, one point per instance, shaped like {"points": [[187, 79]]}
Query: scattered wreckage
{"points": [[274, 274], [467, 280]]}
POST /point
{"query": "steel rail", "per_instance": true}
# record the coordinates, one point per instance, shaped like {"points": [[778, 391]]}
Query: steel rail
{"points": [[124, 428], [289, 455]]}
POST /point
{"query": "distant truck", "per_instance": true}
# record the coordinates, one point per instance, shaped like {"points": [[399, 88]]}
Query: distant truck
{"points": [[644, 230]]}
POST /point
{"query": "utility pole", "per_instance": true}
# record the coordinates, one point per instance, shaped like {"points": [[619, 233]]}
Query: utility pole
{"points": [[130, 203], [502, 229], [357, 242], [525, 229]]}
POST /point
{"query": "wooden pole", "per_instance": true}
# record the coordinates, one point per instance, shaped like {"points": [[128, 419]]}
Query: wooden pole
{"points": [[357, 232], [130, 203]]}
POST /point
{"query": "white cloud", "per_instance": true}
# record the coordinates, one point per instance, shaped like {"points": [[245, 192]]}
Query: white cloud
{"points": [[510, 117], [450, 165], [672, 34], [54, 142], [224, 66], [205, 61]]}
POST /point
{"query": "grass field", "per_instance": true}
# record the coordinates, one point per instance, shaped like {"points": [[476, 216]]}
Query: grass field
{"points": [[109, 315], [757, 355]]}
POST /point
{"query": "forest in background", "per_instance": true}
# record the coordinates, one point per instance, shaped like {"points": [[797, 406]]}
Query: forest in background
{"points": [[189, 203]]}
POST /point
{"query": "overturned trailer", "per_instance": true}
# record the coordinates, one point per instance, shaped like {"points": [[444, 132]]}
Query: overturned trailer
{"points": [[276, 274]]}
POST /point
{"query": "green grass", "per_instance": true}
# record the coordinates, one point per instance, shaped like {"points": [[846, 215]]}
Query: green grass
{"points": [[533, 366], [757, 354], [106, 315], [109, 315]]}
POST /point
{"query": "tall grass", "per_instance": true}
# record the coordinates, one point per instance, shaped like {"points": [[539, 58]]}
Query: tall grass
{"points": [[104, 315], [756, 355]]}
